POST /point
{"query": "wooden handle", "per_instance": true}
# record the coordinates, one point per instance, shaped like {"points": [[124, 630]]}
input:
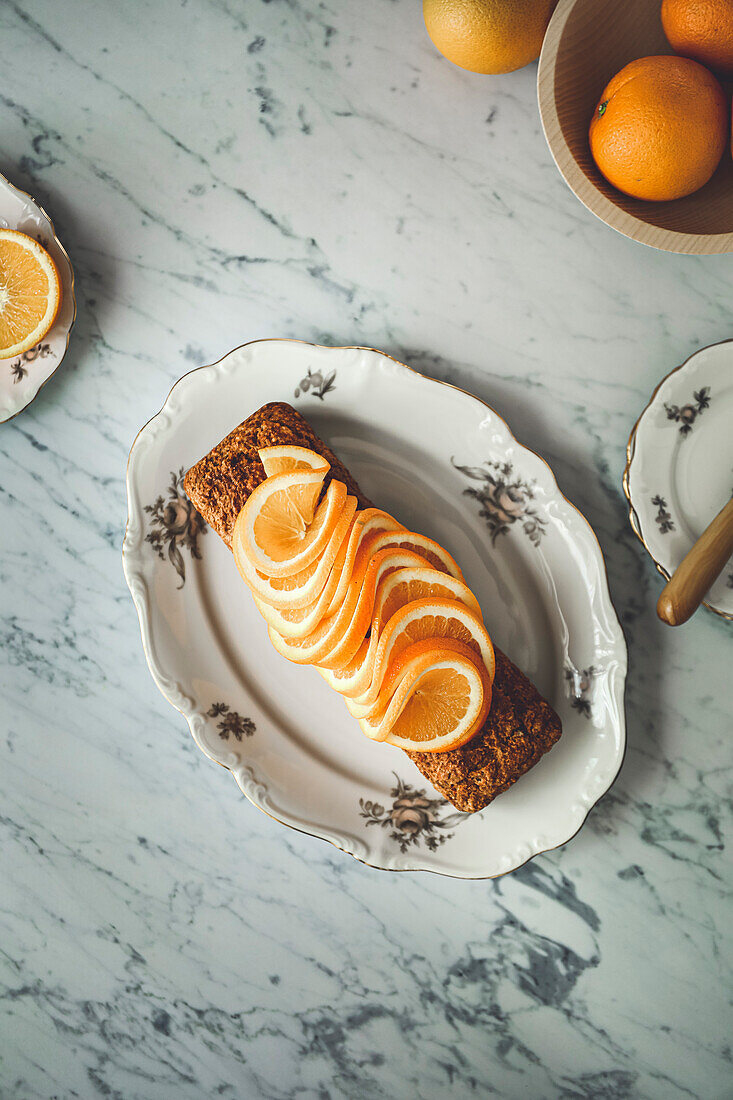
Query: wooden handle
{"points": [[684, 591]]}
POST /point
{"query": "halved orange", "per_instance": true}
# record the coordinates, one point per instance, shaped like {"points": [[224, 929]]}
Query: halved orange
{"points": [[434, 618], [280, 528], [439, 699], [284, 459], [30, 292], [304, 587]]}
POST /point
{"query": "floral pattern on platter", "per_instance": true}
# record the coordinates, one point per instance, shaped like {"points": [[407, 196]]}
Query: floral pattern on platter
{"points": [[317, 383], [504, 500], [18, 368], [413, 817], [663, 518], [579, 682], [175, 523], [686, 415], [232, 723]]}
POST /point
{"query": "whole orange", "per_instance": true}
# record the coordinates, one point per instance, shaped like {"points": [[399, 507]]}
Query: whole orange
{"points": [[660, 127], [488, 36], [701, 29]]}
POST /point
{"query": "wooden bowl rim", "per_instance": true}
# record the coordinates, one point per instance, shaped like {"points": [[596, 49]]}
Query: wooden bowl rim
{"points": [[669, 240]]}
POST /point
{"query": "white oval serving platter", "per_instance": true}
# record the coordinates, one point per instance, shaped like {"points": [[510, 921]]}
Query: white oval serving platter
{"points": [[679, 464], [23, 376], [446, 465]]}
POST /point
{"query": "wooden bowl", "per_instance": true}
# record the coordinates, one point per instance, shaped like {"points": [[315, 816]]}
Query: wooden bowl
{"points": [[587, 42]]}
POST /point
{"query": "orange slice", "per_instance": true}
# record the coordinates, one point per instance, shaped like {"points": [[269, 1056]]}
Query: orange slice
{"points": [[338, 637], [368, 523], [408, 585], [382, 612], [382, 532], [429, 549], [30, 293], [283, 460], [377, 719], [380, 566], [433, 618], [316, 645], [354, 677], [304, 587], [439, 700], [298, 622], [398, 588], [280, 529]]}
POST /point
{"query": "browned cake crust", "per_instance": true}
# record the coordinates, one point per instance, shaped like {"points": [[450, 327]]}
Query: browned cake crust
{"points": [[221, 482], [521, 725]]}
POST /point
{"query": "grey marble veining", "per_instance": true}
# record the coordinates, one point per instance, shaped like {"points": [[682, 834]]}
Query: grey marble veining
{"points": [[222, 171]]}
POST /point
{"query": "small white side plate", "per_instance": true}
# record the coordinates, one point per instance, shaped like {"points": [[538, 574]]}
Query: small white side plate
{"points": [[22, 377], [447, 465], [679, 468]]}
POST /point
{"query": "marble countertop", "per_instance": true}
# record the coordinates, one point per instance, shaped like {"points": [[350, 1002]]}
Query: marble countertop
{"points": [[222, 171]]}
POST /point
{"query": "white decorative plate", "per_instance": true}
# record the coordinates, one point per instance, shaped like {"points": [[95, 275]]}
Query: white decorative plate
{"points": [[444, 464], [22, 377], [679, 465]]}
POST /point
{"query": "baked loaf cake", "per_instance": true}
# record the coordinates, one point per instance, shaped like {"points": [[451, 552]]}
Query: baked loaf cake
{"points": [[521, 725]]}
